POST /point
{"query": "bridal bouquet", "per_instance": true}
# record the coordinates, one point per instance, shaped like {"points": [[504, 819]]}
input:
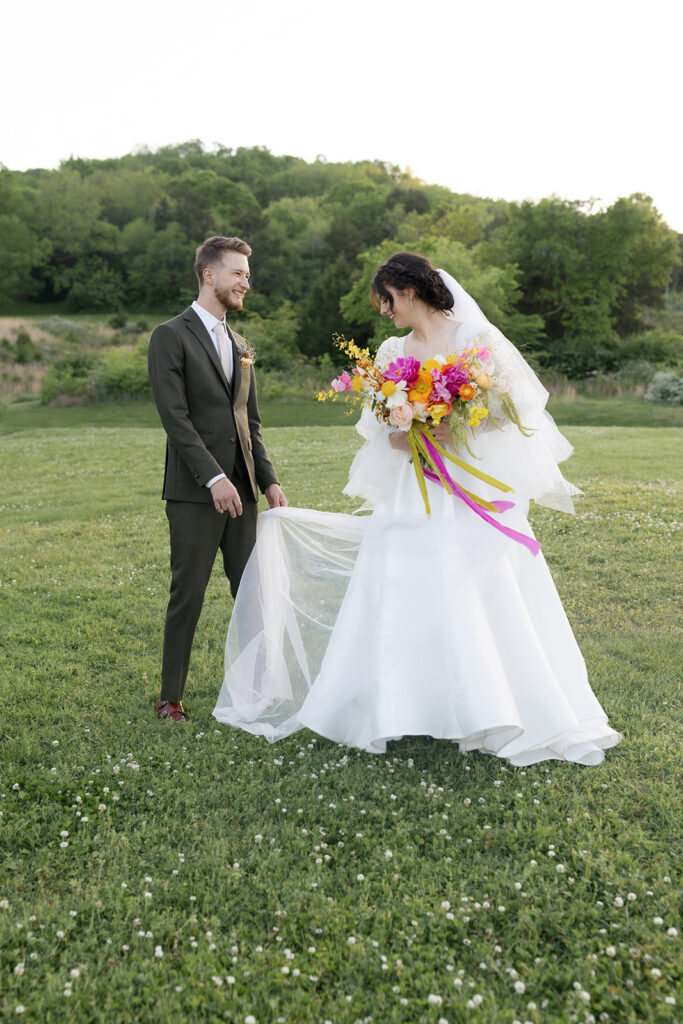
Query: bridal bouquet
{"points": [[414, 397]]}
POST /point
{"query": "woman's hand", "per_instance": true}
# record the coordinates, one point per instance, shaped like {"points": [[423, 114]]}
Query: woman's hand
{"points": [[442, 433], [399, 442]]}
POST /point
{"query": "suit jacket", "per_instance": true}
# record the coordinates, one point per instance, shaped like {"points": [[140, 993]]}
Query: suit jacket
{"points": [[205, 418]]}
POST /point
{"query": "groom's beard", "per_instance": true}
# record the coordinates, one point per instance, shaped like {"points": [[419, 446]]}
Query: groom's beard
{"points": [[232, 301]]}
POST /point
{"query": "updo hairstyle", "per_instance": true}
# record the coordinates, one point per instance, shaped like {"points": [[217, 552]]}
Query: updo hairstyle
{"points": [[408, 270]]}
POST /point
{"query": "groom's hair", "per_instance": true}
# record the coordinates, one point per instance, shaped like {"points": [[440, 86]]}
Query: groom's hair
{"points": [[210, 252]]}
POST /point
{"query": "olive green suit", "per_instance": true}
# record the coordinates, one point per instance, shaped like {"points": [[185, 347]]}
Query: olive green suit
{"points": [[212, 427]]}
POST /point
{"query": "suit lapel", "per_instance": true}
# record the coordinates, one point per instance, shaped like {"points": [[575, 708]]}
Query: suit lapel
{"points": [[200, 332], [236, 366]]}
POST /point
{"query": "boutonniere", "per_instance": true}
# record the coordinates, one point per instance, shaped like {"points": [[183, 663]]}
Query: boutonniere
{"points": [[246, 352]]}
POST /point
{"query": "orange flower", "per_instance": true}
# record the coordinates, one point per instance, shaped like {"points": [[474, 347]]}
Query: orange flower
{"points": [[422, 387], [467, 391]]}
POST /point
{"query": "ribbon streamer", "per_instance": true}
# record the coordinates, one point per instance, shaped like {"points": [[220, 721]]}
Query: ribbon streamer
{"points": [[430, 448]]}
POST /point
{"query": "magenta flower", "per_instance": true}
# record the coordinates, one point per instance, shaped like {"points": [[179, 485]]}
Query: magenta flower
{"points": [[453, 377], [405, 369]]}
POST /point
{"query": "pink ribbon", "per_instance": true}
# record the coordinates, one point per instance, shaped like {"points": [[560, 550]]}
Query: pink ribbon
{"points": [[501, 506]]}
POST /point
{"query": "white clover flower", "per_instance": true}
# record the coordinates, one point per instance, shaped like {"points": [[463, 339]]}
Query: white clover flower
{"points": [[101, 808], [20, 968], [55, 743], [673, 932], [657, 920], [655, 972], [147, 895], [4, 904], [611, 951], [63, 844], [670, 1000], [519, 988], [258, 838], [351, 940], [216, 980], [250, 1019], [631, 896], [158, 952], [360, 878], [445, 905], [560, 869], [434, 1000], [19, 1008], [64, 833], [618, 902], [388, 855]]}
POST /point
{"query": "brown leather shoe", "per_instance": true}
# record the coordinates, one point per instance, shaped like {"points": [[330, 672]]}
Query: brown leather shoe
{"points": [[166, 709]]}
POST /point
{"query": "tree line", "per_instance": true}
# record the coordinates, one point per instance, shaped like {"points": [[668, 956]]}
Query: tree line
{"points": [[569, 284]]}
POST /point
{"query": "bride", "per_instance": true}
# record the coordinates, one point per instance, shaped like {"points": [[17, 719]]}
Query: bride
{"points": [[368, 628]]}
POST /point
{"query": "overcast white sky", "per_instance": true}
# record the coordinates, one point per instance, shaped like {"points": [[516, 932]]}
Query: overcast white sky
{"points": [[501, 98]]}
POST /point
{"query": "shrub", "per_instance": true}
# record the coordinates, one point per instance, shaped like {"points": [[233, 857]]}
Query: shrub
{"points": [[68, 378], [24, 349], [69, 330], [666, 388], [122, 373]]}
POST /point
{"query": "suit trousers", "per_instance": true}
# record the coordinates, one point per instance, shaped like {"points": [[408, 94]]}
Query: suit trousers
{"points": [[197, 532]]}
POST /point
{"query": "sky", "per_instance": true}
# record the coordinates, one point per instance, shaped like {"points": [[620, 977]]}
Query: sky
{"points": [[508, 99]]}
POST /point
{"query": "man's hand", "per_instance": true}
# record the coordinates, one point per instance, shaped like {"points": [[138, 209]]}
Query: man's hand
{"points": [[226, 498], [275, 496]]}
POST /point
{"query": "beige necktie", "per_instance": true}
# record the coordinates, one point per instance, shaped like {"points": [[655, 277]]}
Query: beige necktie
{"points": [[224, 349]]}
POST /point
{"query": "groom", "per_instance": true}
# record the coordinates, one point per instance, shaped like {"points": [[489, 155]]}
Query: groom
{"points": [[202, 377]]}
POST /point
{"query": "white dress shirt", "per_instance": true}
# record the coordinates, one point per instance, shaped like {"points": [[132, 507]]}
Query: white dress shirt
{"points": [[210, 321]]}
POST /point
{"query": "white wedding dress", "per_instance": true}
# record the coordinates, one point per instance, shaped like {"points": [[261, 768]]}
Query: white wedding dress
{"points": [[368, 628]]}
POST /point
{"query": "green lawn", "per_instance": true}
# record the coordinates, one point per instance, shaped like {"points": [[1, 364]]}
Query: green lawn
{"points": [[603, 412], [195, 873]]}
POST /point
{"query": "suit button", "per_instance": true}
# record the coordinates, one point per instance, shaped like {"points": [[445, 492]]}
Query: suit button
{"points": [[232, 440]]}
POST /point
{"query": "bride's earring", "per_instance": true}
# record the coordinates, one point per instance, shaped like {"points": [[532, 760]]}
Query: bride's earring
{"points": [[410, 300]]}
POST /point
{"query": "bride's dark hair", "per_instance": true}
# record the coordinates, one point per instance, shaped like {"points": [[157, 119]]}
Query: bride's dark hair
{"points": [[409, 270]]}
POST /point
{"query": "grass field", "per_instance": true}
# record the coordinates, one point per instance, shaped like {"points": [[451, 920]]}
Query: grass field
{"points": [[195, 873]]}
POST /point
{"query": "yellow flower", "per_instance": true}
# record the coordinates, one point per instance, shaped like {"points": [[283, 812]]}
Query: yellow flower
{"points": [[388, 388], [438, 411], [431, 364], [477, 416], [483, 378], [357, 383]]}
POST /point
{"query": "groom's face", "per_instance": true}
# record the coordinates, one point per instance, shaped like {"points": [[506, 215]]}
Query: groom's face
{"points": [[231, 280]]}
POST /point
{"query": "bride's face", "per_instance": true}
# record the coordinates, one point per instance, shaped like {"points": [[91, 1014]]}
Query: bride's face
{"points": [[400, 308]]}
